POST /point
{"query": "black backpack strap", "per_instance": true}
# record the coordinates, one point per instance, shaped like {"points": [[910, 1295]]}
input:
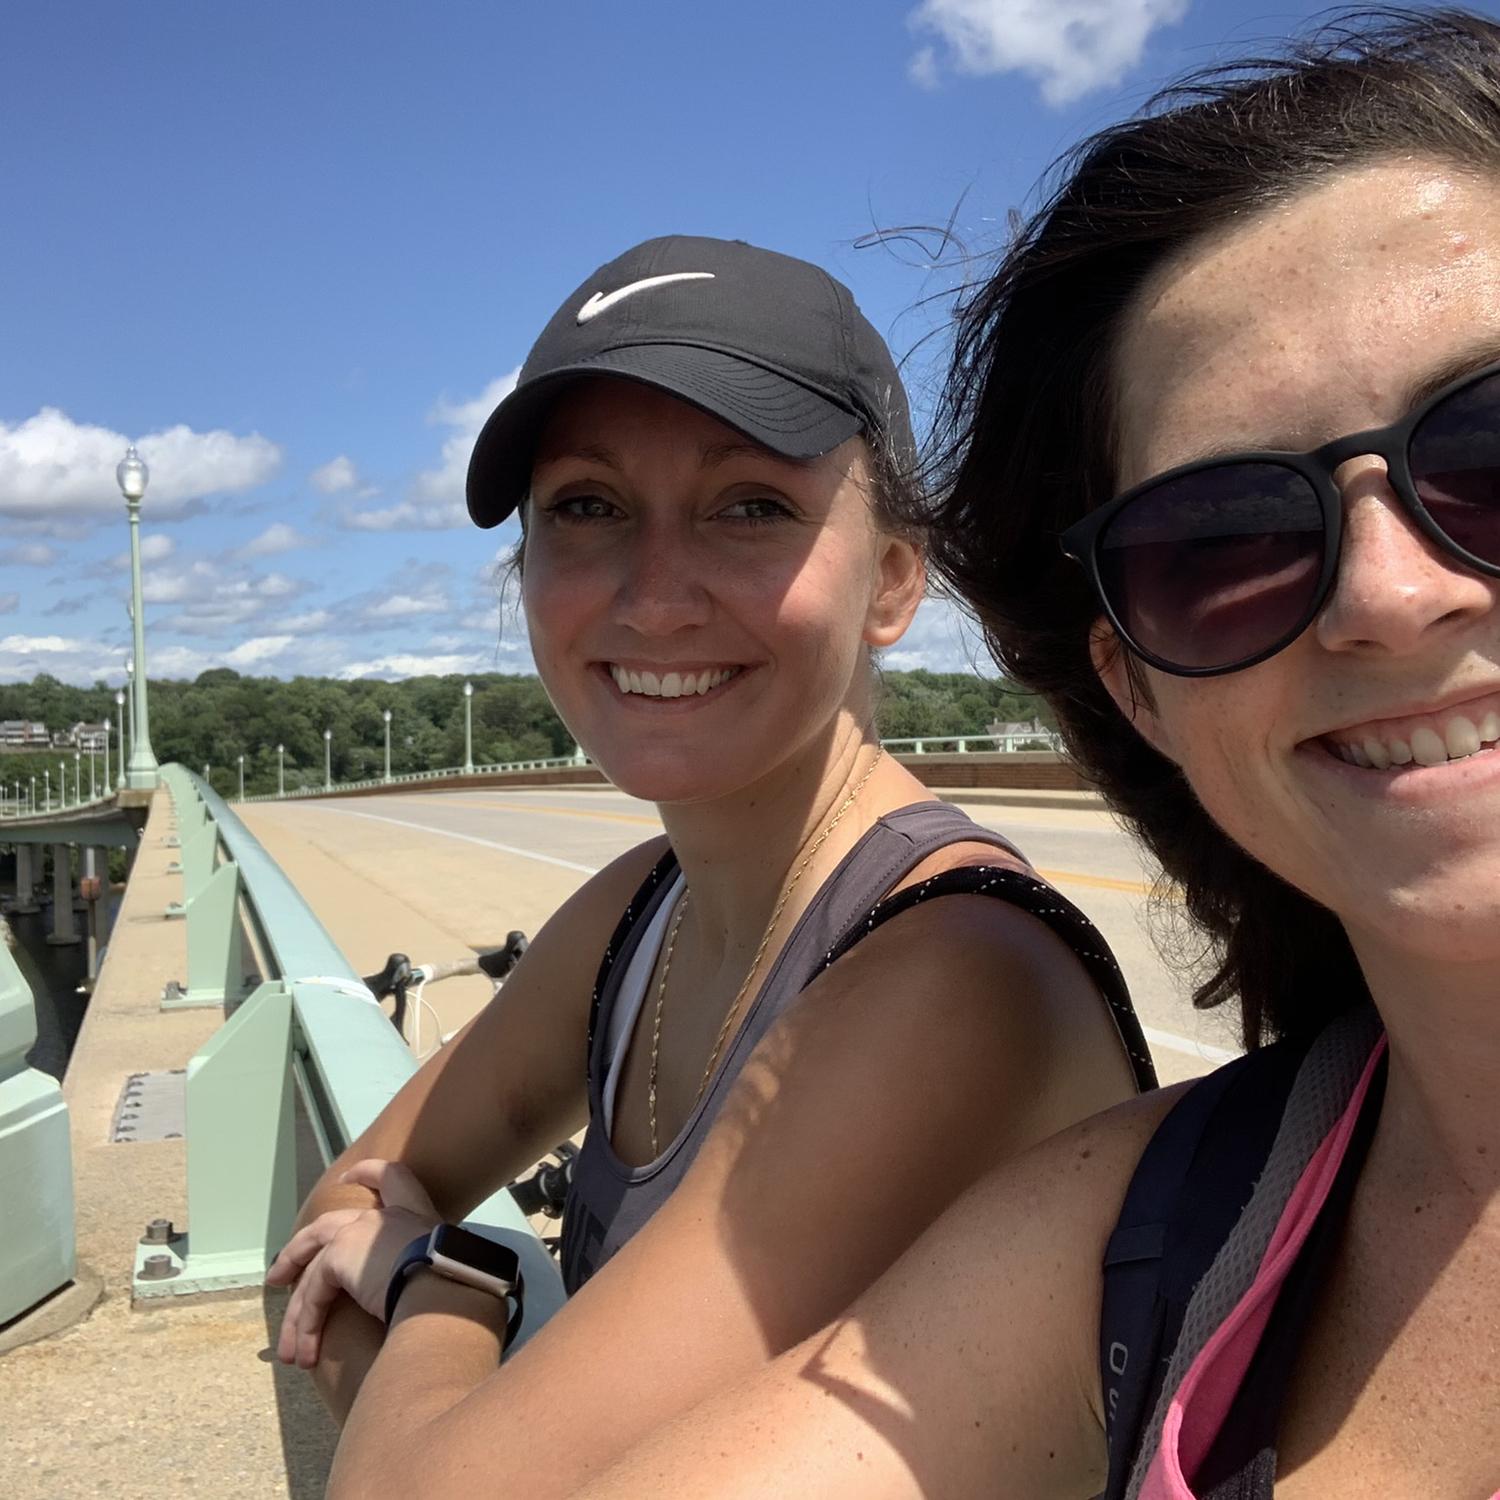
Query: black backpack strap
{"points": [[1192, 1183], [1020, 887]]}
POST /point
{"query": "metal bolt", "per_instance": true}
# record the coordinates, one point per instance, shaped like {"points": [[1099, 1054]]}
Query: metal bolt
{"points": [[158, 1268], [158, 1232]]}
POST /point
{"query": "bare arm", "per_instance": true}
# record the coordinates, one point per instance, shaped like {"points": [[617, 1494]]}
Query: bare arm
{"points": [[893, 1084], [970, 1368], [507, 1089]]}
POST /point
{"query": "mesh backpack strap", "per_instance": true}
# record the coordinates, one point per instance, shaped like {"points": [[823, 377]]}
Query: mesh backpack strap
{"points": [[1192, 1182]]}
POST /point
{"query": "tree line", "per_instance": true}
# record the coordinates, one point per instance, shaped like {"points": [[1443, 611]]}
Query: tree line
{"points": [[221, 715]]}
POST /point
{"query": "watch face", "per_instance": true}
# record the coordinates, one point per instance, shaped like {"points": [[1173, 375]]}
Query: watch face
{"points": [[470, 1249]]}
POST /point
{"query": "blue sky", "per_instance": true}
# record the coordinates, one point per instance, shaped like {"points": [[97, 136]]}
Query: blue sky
{"points": [[295, 251]]}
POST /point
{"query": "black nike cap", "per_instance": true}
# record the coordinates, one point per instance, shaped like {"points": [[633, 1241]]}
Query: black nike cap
{"points": [[770, 345]]}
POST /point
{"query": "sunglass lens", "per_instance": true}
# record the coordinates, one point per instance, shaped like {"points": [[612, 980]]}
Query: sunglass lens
{"points": [[1217, 566], [1455, 465]]}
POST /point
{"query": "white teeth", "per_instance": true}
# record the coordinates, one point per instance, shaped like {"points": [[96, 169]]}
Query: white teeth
{"points": [[1400, 752], [1357, 757], [1426, 748], [1375, 754], [669, 684], [1460, 737], [1489, 727]]}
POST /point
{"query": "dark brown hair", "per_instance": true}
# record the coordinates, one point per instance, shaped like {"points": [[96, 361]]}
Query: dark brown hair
{"points": [[1025, 434]]}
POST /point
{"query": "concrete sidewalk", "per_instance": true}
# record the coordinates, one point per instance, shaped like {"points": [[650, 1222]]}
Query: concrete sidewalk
{"points": [[180, 1399]]}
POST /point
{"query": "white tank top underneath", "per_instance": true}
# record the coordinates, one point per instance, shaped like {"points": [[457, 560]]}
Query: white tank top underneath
{"points": [[632, 996]]}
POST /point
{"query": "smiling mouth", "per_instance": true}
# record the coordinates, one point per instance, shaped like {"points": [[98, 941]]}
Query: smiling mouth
{"points": [[648, 684], [1427, 740]]}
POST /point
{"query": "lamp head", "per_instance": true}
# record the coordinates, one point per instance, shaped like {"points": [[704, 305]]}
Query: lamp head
{"points": [[132, 474], [387, 716], [468, 690]]}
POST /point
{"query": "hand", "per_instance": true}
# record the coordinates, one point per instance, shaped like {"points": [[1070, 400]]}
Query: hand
{"points": [[349, 1250]]}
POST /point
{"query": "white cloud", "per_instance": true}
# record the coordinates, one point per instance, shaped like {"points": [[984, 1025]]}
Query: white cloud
{"points": [[404, 606], [28, 555], [52, 467], [210, 599], [1070, 46], [276, 538], [71, 660], [436, 498], [942, 639], [9, 603], [409, 664], [407, 515], [258, 649], [314, 619], [336, 476]]}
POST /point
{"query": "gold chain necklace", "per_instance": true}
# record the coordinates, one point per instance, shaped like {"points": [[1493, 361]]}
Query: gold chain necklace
{"points": [[760, 953]]}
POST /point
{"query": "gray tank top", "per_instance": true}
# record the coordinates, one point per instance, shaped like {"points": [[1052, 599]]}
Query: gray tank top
{"points": [[609, 1200]]}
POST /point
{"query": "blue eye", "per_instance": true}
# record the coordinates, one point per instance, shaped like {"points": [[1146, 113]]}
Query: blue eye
{"points": [[579, 509], [757, 511]]}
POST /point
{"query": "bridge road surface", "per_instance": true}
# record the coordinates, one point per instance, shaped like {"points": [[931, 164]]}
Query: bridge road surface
{"points": [[438, 874]]}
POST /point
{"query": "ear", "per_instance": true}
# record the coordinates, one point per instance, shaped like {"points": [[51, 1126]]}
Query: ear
{"points": [[900, 583], [1125, 681]]}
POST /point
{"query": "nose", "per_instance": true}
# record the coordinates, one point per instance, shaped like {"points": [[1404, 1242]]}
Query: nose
{"points": [[662, 583], [1396, 591]]}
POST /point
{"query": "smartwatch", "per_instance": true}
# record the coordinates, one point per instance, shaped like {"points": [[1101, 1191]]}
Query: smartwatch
{"points": [[468, 1258]]}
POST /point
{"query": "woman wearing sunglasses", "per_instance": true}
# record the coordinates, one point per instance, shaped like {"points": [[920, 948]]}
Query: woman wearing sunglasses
{"points": [[1245, 367], [710, 457]]}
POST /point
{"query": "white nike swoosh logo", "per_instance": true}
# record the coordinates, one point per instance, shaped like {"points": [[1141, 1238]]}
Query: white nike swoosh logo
{"points": [[602, 301]]}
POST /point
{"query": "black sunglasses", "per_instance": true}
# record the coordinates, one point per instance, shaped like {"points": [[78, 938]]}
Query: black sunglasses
{"points": [[1216, 565]]}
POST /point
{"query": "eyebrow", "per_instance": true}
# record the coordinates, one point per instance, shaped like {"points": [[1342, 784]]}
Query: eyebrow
{"points": [[1483, 351], [594, 452]]}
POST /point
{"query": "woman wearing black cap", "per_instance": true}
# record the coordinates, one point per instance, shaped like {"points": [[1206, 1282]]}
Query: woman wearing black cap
{"points": [[708, 448]]}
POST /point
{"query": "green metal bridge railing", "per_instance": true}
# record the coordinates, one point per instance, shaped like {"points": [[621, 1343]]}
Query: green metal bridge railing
{"points": [[37, 1254], [308, 1023]]}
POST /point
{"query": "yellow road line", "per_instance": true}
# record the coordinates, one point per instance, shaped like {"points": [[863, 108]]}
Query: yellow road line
{"points": [[1058, 877], [566, 812], [1101, 882]]}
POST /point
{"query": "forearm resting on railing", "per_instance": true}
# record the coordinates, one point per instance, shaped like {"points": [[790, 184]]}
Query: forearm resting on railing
{"points": [[351, 1340]]}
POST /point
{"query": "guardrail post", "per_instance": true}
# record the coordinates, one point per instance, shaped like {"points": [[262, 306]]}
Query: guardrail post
{"points": [[241, 1169], [215, 943], [196, 864], [37, 1254]]}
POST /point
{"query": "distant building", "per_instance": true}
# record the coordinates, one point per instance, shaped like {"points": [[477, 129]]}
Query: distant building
{"points": [[86, 737], [23, 734], [1016, 728]]}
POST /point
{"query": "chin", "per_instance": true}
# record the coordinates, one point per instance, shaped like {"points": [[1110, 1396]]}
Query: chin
{"points": [[667, 779]]}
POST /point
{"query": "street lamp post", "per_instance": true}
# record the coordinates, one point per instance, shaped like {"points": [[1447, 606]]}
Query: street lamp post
{"points": [[31, 802], [468, 728], [120, 725], [327, 760], [132, 475], [78, 777], [281, 770], [387, 717], [47, 787], [209, 779], [107, 727], [130, 704], [242, 778]]}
